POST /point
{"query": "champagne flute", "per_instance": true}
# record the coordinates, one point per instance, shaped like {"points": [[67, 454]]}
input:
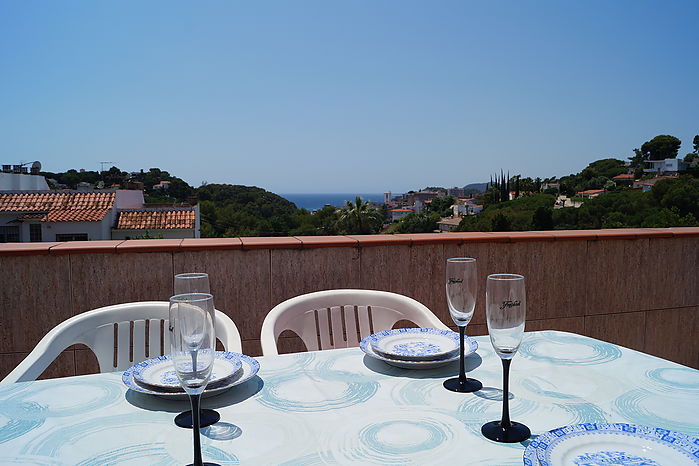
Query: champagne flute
{"points": [[506, 310], [462, 286], [194, 282], [193, 349]]}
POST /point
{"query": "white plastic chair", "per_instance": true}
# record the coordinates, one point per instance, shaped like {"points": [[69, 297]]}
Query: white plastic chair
{"points": [[341, 318], [107, 332]]}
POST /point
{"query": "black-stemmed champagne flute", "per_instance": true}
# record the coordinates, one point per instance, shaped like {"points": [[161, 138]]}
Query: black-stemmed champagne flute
{"points": [[506, 310], [193, 349], [194, 282], [462, 285]]}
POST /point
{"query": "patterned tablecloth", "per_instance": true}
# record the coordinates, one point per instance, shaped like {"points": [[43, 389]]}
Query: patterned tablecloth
{"points": [[340, 407]]}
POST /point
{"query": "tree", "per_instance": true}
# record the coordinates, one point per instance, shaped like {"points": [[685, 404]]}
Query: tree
{"points": [[502, 222], [359, 218], [418, 223], [695, 141], [661, 147], [441, 206], [543, 218]]}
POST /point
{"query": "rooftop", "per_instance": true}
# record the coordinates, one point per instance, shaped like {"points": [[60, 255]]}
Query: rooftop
{"points": [[143, 219], [59, 206]]}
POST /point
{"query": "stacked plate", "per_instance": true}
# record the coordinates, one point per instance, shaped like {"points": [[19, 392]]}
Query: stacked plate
{"points": [[617, 443], [156, 376], [416, 348]]}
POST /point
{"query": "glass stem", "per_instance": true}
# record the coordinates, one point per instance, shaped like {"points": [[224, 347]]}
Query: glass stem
{"points": [[505, 422], [194, 399], [462, 372]]}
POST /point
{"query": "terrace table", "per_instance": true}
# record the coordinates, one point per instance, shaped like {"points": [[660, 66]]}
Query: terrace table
{"points": [[340, 406]]}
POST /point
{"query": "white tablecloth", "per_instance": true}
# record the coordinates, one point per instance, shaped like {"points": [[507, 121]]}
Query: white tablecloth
{"points": [[341, 407]]}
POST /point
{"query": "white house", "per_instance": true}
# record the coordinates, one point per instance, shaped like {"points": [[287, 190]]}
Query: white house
{"points": [[664, 166], [31, 216]]}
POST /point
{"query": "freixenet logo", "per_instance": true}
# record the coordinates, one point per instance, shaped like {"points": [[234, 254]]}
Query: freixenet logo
{"points": [[509, 303], [455, 280]]}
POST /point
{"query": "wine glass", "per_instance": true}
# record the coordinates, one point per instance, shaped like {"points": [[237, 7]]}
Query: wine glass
{"points": [[506, 309], [194, 282], [461, 283], [193, 349]]}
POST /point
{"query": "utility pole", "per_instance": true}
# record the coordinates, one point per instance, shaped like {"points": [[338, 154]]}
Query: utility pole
{"points": [[102, 166]]}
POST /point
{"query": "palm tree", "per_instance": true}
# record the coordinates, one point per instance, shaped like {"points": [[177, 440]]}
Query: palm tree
{"points": [[359, 218]]}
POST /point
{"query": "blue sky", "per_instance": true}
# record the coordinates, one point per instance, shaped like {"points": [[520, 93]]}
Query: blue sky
{"points": [[344, 96]]}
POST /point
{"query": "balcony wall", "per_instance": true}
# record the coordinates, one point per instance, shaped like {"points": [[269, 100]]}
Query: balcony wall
{"points": [[637, 288]]}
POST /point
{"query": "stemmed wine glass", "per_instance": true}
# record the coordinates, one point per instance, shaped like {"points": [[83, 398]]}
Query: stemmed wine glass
{"points": [[462, 286], [506, 309], [193, 348], [194, 282]]}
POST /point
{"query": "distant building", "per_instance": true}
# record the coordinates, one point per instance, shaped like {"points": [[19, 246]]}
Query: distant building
{"points": [[422, 196], [10, 181], [387, 197], [590, 193], [665, 166], [456, 192], [448, 223], [647, 185], [397, 214], [625, 179]]}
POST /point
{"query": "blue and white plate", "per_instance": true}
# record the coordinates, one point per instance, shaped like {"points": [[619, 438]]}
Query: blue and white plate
{"points": [[616, 444], [470, 346], [530, 458], [160, 372], [249, 369], [415, 344]]}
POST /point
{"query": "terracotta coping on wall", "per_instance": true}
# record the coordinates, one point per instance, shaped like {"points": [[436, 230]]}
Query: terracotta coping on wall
{"points": [[687, 231], [21, 249], [86, 247], [521, 236], [246, 243], [574, 235], [380, 240], [276, 242], [149, 245], [326, 241], [206, 244]]}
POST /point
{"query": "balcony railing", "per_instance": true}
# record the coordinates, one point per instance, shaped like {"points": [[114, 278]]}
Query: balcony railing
{"points": [[634, 287]]}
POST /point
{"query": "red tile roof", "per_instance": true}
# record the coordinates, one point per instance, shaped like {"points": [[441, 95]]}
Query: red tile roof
{"points": [[156, 219], [624, 176], [59, 206]]}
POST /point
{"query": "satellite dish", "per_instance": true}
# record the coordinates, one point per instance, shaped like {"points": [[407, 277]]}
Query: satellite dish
{"points": [[36, 167]]}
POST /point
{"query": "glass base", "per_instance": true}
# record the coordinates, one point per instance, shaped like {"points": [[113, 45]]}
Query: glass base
{"points": [[205, 464], [514, 434], [469, 386], [207, 417]]}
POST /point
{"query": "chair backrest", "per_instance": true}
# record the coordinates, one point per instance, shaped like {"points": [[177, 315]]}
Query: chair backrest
{"points": [[119, 335], [341, 318]]}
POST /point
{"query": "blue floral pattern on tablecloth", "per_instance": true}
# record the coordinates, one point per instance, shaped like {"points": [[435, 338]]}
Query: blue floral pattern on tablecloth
{"points": [[340, 407]]}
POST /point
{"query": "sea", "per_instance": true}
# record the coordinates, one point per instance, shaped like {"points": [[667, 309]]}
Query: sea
{"points": [[318, 201]]}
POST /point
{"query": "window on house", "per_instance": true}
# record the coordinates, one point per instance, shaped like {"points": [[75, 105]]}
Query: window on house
{"points": [[72, 237], [35, 232], [9, 234]]}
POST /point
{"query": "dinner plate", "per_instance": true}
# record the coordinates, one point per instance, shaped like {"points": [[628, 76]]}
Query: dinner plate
{"points": [[249, 368], [470, 346], [617, 443], [160, 372], [415, 344], [530, 458]]}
